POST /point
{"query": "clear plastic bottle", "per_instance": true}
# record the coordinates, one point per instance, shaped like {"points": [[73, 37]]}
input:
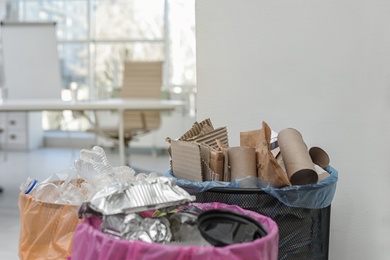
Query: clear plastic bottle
{"points": [[28, 185]]}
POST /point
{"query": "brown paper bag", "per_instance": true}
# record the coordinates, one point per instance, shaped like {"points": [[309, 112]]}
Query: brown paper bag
{"points": [[46, 229], [267, 166]]}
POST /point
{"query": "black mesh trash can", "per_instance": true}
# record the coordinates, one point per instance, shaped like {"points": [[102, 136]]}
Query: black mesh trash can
{"points": [[303, 233], [304, 224]]}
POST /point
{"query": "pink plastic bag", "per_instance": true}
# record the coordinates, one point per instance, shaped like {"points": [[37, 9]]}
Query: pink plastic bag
{"points": [[90, 243]]}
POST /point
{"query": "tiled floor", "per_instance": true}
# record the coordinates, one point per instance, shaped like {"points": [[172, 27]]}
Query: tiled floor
{"points": [[15, 167]]}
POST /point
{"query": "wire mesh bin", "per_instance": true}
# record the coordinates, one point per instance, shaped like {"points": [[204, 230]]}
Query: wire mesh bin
{"points": [[301, 212], [303, 233]]}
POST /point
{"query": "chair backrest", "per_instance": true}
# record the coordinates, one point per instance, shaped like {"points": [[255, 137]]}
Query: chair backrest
{"points": [[142, 80]]}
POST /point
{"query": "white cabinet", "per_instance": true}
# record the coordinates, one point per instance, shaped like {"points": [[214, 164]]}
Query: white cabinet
{"points": [[23, 44], [20, 131]]}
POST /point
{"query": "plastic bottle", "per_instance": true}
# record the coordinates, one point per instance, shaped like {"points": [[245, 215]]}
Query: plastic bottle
{"points": [[28, 185]]}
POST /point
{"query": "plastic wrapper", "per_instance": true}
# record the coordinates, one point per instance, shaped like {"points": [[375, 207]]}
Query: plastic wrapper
{"points": [[46, 229], [91, 243], [312, 196]]}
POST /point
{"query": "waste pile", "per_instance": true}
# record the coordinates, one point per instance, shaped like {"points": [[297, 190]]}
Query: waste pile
{"points": [[148, 207], [278, 160]]}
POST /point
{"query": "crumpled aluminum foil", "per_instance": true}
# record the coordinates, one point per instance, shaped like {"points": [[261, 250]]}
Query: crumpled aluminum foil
{"points": [[141, 195], [133, 227], [119, 225], [119, 203], [151, 230]]}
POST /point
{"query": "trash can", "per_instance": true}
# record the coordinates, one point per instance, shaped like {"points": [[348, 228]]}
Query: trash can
{"points": [[301, 212], [91, 243], [46, 229]]}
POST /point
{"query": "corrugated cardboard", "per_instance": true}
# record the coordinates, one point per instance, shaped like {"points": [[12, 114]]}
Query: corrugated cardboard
{"points": [[186, 160], [217, 162], [196, 129], [210, 137], [191, 161], [196, 156]]}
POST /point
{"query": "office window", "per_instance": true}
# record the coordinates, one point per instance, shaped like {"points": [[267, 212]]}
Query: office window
{"points": [[95, 37]]}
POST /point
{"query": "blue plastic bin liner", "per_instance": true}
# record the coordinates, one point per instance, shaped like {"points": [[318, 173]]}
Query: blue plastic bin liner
{"points": [[312, 196]]}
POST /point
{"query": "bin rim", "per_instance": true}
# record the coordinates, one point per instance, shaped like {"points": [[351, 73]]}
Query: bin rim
{"points": [[318, 195]]}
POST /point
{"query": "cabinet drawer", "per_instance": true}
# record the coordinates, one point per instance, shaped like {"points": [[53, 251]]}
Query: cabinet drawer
{"points": [[16, 120], [14, 141], [20, 130]]}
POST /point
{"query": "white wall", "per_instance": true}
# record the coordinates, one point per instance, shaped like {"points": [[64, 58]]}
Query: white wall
{"points": [[322, 67]]}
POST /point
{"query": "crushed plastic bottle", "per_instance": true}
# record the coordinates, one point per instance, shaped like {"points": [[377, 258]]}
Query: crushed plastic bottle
{"points": [[91, 173]]}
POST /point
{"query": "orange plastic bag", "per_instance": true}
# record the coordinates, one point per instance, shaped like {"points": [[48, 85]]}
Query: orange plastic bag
{"points": [[46, 229]]}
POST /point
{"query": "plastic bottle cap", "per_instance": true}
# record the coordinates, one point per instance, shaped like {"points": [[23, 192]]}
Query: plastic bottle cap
{"points": [[222, 227], [30, 186]]}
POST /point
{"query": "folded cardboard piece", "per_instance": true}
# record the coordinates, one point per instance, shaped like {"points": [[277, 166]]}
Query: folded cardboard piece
{"points": [[186, 160], [203, 154], [196, 162], [196, 156]]}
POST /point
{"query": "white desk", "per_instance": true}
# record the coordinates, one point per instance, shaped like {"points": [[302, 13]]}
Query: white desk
{"points": [[119, 105]]}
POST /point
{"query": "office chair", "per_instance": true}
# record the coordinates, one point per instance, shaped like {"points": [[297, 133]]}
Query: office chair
{"points": [[141, 80]]}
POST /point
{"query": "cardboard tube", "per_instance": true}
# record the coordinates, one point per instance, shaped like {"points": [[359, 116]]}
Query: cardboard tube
{"points": [[242, 162], [322, 174], [319, 157], [299, 166]]}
